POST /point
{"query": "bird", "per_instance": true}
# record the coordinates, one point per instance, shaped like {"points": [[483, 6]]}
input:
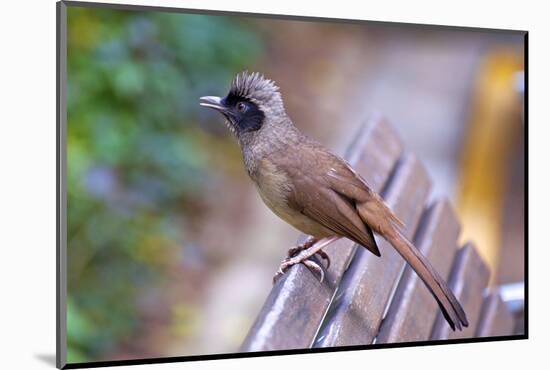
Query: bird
{"points": [[314, 190]]}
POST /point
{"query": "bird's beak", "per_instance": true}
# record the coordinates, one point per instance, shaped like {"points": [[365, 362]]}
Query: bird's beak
{"points": [[213, 102]]}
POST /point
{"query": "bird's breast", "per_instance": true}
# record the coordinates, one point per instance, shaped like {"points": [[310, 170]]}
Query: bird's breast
{"points": [[274, 188]]}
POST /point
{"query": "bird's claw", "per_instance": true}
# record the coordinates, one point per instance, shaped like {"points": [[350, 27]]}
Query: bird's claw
{"points": [[315, 267], [301, 254], [285, 264], [288, 262], [293, 252], [324, 256]]}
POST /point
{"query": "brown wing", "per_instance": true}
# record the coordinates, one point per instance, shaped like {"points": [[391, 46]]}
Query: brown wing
{"points": [[347, 182], [326, 199]]}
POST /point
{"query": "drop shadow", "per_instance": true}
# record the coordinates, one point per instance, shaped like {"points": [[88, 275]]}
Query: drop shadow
{"points": [[47, 358]]}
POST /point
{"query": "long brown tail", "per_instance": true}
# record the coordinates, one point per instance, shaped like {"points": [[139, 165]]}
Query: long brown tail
{"points": [[449, 305]]}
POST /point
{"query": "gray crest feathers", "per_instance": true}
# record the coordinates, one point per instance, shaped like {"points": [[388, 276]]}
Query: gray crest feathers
{"points": [[256, 87]]}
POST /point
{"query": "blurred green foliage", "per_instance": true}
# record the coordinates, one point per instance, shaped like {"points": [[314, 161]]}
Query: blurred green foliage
{"points": [[134, 165]]}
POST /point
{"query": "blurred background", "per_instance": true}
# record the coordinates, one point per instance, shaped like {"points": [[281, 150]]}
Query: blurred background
{"points": [[170, 249]]}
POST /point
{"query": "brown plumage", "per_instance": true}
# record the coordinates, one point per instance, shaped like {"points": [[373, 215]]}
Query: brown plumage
{"points": [[312, 189]]}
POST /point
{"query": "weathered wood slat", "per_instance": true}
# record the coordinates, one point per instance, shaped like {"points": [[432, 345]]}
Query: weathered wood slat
{"points": [[413, 309], [296, 305], [469, 277], [357, 309], [495, 318]]}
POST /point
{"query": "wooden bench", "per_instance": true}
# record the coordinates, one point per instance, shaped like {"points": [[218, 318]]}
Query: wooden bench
{"points": [[365, 299]]}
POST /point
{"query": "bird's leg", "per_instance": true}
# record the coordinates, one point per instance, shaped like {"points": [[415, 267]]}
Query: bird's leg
{"points": [[310, 240], [307, 244], [303, 255]]}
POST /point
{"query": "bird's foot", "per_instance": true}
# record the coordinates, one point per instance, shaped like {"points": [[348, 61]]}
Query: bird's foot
{"points": [[308, 243], [302, 246], [302, 253], [289, 262]]}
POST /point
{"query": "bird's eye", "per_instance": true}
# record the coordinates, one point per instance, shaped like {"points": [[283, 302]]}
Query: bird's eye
{"points": [[241, 107]]}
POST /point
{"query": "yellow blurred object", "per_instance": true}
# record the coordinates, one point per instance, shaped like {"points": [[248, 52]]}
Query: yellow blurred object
{"points": [[183, 320], [488, 140]]}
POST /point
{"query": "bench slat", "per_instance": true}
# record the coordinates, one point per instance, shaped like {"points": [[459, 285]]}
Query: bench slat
{"points": [[357, 309], [468, 280], [495, 318], [413, 308], [296, 305]]}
